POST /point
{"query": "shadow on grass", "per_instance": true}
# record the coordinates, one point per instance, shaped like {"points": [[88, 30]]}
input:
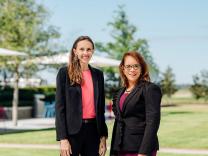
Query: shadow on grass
{"points": [[4, 131], [176, 113], [180, 112], [168, 105]]}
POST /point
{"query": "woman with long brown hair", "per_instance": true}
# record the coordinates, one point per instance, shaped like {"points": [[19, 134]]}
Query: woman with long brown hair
{"points": [[137, 110], [80, 104]]}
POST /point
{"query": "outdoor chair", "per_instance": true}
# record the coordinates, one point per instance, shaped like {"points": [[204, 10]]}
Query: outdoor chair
{"points": [[49, 109]]}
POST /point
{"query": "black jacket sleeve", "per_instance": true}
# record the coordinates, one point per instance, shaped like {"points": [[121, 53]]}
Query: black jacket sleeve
{"points": [[60, 108], [152, 95]]}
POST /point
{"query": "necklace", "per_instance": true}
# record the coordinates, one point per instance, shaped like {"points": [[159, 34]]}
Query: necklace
{"points": [[128, 91]]}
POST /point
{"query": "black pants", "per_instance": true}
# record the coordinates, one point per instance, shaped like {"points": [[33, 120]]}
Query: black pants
{"points": [[86, 142]]}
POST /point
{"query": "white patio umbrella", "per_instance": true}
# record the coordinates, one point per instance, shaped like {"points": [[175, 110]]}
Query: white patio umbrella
{"points": [[104, 61], [63, 58], [7, 52]]}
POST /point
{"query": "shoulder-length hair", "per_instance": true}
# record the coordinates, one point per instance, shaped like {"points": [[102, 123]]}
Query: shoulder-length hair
{"points": [[74, 67], [144, 68]]}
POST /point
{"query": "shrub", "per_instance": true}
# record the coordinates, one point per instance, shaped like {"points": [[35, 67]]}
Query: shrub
{"points": [[26, 95]]}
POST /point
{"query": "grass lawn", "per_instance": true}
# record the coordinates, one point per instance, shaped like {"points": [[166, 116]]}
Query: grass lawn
{"points": [[28, 152], [30, 137], [182, 126], [182, 100], [182, 96]]}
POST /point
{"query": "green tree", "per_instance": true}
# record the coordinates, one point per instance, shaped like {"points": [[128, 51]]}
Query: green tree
{"points": [[168, 83], [200, 85], [23, 28], [124, 40]]}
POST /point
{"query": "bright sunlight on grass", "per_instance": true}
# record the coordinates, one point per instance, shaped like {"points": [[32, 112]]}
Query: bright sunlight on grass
{"points": [[182, 126]]}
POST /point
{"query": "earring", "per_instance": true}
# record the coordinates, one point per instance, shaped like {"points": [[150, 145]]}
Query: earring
{"points": [[75, 58]]}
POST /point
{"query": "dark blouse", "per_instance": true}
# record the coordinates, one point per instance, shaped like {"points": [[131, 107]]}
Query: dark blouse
{"points": [[122, 99]]}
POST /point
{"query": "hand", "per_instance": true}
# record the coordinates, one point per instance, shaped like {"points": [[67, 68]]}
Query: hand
{"points": [[65, 148], [102, 147]]}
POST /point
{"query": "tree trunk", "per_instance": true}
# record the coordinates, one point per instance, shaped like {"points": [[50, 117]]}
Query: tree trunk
{"points": [[15, 97]]}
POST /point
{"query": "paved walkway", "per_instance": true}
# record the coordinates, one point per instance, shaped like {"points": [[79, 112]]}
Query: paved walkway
{"points": [[30, 146], [56, 147], [27, 124], [183, 151]]}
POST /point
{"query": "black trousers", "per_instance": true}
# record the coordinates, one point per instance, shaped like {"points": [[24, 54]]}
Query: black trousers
{"points": [[86, 142]]}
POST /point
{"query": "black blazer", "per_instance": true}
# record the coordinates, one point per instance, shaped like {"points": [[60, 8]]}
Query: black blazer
{"points": [[135, 128], [69, 104]]}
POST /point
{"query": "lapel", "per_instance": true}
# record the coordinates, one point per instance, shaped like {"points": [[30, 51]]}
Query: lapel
{"points": [[76, 87], [137, 90], [95, 86]]}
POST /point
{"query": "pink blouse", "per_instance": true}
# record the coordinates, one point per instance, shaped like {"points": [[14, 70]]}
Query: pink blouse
{"points": [[88, 107]]}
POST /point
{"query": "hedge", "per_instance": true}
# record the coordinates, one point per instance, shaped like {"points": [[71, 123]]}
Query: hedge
{"points": [[26, 95]]}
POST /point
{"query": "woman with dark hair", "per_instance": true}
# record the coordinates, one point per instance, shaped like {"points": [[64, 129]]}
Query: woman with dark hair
{"points": [[80, 104], [137, 110]]}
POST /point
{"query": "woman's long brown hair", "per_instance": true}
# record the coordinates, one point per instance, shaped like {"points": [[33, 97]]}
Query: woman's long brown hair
{"points": [[74, 67]]}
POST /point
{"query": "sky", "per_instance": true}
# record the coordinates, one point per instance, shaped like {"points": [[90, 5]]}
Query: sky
{"points": [[176, 30]]}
